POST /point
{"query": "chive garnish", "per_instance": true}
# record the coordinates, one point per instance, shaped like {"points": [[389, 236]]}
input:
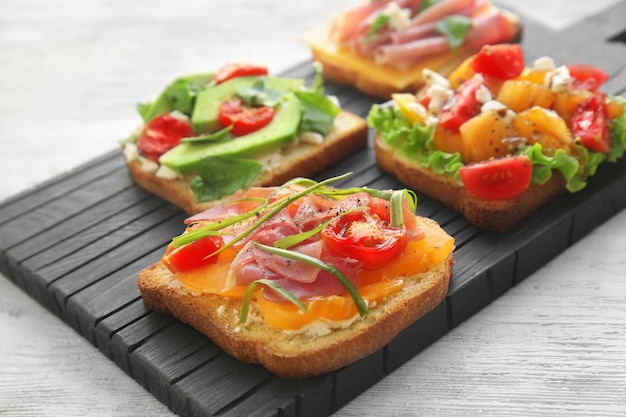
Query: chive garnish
{"points": [[292, 240], [245, 307], [396, 219], [358, 300], [276, 207]]}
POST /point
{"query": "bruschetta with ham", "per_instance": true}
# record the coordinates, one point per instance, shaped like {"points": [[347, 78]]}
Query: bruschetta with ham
{"points": [[381, 46], [303, 278]]}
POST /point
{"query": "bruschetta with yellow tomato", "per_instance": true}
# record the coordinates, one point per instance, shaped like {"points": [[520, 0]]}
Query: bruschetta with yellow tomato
{"points": [[496, 138]]}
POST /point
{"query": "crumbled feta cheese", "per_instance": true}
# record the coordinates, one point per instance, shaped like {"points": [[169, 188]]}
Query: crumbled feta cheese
{"points": [[237, 329], [431, 121], [497, 107], [179, 115], [221, 310], [544, 64], [130, 152], [492, 105], [398, 18], [167, 173], [432, 78], [312, 138], [483, 95], [148, 165], [438, 95], [559, 80], [270, 161]]}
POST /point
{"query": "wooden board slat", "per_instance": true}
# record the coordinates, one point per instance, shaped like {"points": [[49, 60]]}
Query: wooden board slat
{"points": [[88, 233]]}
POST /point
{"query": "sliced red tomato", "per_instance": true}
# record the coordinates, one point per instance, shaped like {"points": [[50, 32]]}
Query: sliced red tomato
{"points": [[234, 70], [462, 106], [161, 134], [504, 61], [591, 124], [366, 238], [587, 76], [497, 179], [192, 255], [242, 118]]}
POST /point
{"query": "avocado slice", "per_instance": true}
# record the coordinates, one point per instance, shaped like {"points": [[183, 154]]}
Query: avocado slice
{"points": [[187, 158], [205, 114]]}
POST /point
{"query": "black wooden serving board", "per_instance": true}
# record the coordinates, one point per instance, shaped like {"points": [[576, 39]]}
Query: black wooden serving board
{"points": [[77, 243]]}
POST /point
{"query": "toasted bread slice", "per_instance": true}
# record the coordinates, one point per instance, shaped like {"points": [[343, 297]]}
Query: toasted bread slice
{"points": [[348, 133], [494, 215], [292, 354], [345, 67]]}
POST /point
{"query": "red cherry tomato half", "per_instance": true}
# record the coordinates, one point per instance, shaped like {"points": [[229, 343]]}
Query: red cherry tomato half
{"points": [[463, 105], [504, 61], [498, 179], [591, 124], [161, 134], [366, 238], [587, 77], [192, 255], [244, 119], [235, 70]]}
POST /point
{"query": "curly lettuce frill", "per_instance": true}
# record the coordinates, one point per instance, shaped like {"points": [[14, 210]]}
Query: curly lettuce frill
{"points": [[415, 141]]}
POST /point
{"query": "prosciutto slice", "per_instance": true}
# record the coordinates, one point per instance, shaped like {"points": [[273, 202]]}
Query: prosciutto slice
{"points": [[239, 203], [486, 29], [325, 284], [442, 9]]}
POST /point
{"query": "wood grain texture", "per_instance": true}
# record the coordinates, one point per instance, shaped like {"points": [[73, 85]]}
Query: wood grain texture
{"points": [[71, 75]]}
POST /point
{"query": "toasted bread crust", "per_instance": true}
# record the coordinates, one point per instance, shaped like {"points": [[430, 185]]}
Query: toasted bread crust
{"points": [[496, 215], [349, 133], [288, 354], [386, 80]]}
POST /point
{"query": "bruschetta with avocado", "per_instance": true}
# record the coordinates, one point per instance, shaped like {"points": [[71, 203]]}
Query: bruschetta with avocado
{"points": [[207, 136]]}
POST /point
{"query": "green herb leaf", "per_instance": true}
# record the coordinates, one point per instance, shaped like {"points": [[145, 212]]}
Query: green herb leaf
{"points": [[425, 4], [180, 95], [317, 85], [222, 135], [380, 22], [358, 300], [455, 29], [259, 95], [222, 176], [245, 306], [318, 112]]}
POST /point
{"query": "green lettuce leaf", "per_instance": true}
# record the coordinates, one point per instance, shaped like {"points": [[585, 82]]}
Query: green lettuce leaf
{"points": [[415, 142], [561, 161], [223, 176], [618, 129]]}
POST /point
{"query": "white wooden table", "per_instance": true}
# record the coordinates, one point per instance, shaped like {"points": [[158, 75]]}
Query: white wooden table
{"points": [[71, 73]]}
